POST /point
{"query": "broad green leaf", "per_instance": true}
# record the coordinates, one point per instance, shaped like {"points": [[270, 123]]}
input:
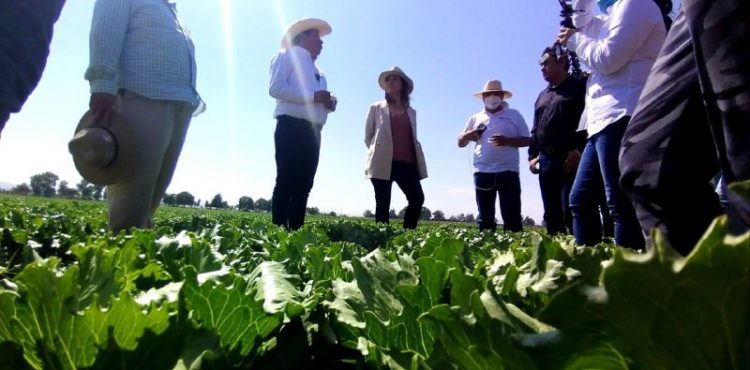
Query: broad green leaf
{"points": [[664, 311], [56, 333], [232, 312]]}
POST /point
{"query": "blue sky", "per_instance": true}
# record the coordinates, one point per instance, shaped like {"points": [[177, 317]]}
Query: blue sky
{"points": [[449, 49]]}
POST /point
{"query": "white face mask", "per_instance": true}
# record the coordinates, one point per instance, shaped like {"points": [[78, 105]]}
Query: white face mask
{"points": [[492, 102]]}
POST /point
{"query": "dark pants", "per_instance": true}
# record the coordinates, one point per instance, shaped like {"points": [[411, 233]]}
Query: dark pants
{"points": [[508, 186], [406, 177], [555, 185], [297, 152], [688, 113], [599, 165]]}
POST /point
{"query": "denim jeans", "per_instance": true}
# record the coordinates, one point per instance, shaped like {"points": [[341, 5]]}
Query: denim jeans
{"points": [[406, 177], [297, 153], [507, 185], [599, 163]]}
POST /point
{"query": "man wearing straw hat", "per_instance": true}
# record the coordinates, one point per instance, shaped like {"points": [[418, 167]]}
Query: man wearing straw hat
{"points": [[498, 131], [142, 74], [302, 106]]}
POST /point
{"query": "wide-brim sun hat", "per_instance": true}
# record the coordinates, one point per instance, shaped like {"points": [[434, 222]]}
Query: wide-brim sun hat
{"points": [[396, 71], [103, 155], [494, 86], [303, 25]]}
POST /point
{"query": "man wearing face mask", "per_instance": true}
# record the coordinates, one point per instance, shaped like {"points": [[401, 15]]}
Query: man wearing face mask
{"points": [[498, 131]]}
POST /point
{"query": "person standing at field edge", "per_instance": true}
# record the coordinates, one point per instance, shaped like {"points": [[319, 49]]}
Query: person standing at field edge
{"points": [[498, 132], [142, 69], [394, 152], [302, 106]]}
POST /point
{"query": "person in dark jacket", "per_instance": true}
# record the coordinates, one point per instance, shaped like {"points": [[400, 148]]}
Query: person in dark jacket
{"points": [[692, 120], [556, 143], [25, 36]]}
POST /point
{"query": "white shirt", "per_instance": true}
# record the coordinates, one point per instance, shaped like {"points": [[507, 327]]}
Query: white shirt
{"points": [[294, 88], [620, 49], [488, 157]]}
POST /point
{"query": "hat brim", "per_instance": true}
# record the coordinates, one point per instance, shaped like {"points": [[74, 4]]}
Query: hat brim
{"points": [[506, 94], [303, 25], [123, 163], [385, 74]]}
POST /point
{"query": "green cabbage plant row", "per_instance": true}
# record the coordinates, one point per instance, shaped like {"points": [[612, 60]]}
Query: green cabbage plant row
{"points": [[219, 290]]}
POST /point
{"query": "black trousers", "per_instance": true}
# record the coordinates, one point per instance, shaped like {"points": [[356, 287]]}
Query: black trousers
{"points": [[506, 185], [297, 153], [555, 185], [406, 177], [692, 120]]}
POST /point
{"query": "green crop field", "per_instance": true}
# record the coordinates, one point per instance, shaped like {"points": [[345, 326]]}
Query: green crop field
{"points": [[223, 289]]}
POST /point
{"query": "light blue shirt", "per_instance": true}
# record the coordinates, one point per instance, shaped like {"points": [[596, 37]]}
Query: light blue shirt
{"points": [[141, 46], [489, 158]]}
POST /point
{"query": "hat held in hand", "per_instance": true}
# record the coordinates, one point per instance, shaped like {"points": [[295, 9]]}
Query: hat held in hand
{"points": [[103, 154]]}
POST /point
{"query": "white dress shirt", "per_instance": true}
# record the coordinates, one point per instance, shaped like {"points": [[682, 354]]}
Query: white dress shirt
{"points": [[620, 49], [294, 80], [489, 158]]}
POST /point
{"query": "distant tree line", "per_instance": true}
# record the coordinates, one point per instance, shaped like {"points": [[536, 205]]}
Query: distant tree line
{"points": [[48, 184]]}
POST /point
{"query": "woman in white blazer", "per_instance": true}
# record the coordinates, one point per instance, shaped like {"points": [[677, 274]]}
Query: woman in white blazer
{"points": [[394, 153]]}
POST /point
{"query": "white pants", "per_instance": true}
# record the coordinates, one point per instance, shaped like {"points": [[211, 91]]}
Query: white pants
{"points": [[160, 127]]}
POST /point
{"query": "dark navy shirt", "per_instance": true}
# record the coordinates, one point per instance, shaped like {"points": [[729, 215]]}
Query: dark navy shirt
{"points": [[557, 113]]}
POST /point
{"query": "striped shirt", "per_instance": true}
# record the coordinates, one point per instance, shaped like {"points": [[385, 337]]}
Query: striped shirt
{"points": [[142, 46]]}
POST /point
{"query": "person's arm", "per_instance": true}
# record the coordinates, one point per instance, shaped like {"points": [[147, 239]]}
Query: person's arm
{"points": [[370, 126], [533, 145], [469, 134], [629, 28], [282, 68], [516, 142], [522, 140], [109, 27]]}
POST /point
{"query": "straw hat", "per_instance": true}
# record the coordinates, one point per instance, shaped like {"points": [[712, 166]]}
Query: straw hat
{"points": [[103, 155], [396, 71], [303, 25], [494, 86]]}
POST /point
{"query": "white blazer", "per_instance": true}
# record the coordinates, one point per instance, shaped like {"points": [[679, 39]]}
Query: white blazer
{"points": [[379, 142]]}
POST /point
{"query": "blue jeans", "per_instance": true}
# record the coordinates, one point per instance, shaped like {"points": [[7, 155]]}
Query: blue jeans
{"points": [[508, 186], [600, 163]]}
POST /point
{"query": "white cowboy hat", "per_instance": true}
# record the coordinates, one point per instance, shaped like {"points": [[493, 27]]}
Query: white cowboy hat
{"points": [[396, 71], [103, 155], [494, 86], [303, 25]]}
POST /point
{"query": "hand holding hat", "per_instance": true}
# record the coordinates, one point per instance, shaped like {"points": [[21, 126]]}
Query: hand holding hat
{"points": [[103, 155]]}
